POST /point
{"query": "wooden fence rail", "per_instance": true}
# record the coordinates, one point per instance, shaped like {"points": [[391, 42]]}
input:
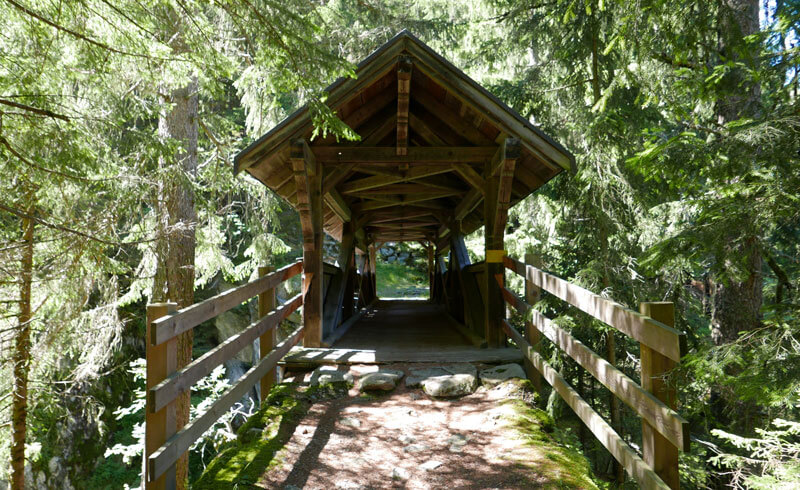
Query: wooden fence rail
{"points": [[164, 445], [664, 431]]}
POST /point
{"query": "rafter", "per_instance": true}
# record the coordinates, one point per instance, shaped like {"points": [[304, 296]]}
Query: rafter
{"points": [[425, 131], [470, 202], [472, 177], [451, 118], [336, 202]]}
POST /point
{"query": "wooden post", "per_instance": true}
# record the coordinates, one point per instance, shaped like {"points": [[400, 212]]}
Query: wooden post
{"points": [[499, 176], [161, 361], [266, 303], [532, 334], [657, 451], [308, 179], [349, 288], [373, 271], [431, 276]]}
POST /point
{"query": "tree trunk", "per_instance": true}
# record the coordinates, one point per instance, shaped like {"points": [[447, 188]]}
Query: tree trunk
{"points": [[21, 360], [737, 304], [174, 279]]}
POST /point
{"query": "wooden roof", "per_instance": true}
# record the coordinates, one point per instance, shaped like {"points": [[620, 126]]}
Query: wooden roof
{"points": [[428, 137]]}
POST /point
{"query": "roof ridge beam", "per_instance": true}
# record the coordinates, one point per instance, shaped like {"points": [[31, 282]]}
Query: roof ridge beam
{"points": [[404, 68]]}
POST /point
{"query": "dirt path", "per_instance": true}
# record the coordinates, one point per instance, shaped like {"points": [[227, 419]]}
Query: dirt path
{"points": [[408, 440], [403, 439]]}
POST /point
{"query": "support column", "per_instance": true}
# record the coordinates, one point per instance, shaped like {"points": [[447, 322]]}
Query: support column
{"points": [[373, 271], [308, 177], [431, 272], [499, 175]]}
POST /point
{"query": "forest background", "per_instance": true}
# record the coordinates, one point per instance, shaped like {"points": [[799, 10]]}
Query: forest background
{"points": [[119, 121]]}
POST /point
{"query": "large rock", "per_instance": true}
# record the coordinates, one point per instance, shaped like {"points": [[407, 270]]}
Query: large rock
{"points": [[494, 376], [233, 322], [384, 380], [445, 381], [328, 375]]}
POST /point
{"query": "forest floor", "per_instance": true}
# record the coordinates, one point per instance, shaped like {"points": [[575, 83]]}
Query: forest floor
{"points": [[339, 438]]}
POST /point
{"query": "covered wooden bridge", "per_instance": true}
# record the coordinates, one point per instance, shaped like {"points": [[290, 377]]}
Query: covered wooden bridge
{"points": [[439, 157]]}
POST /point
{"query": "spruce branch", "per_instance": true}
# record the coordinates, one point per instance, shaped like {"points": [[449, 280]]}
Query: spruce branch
{"points": [[35, 110]]}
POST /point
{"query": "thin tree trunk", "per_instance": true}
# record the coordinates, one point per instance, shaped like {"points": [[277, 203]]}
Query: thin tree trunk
{"points": [[21, 360], [174, 279]]}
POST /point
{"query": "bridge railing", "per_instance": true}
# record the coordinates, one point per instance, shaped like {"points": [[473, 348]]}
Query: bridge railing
{"points": [[164, 444], [664, 431]]}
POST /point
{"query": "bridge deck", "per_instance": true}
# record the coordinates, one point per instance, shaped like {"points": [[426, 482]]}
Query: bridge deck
{"points": [[401, 331]]}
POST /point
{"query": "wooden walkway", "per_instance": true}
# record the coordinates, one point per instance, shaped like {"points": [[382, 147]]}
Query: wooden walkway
{"points": [[401, 331]]}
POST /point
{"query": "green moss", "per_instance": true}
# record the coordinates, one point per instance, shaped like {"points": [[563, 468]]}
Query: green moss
{"points": [[562, 467], [263, 435]]}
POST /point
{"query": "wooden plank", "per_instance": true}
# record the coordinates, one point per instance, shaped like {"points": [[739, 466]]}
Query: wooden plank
{"points": [[377, 135], [398, 216], [316, 357], [406, 188], [161, 362], [379, 181], [187, 318], [418, 154], [267, 340], [182, 380], [336, 202], [470, 92], [656, 335], [404, 69], [335, 176], [470, 176], [371, 107], [666, 420], [425, 131], [633, 464], [450, 117], [468, 204], [179, 443], [658, 449]]}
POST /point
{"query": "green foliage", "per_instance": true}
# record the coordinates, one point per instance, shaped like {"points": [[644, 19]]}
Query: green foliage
{"points": [[773, 459], [400, 281]]}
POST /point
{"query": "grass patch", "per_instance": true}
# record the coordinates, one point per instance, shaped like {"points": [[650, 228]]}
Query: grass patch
{"points": [[400, 281]]}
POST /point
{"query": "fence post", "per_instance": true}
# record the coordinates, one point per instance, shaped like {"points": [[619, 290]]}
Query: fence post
{"points": [[532, 334], [657, 451], [266, 303], [161, 361]]}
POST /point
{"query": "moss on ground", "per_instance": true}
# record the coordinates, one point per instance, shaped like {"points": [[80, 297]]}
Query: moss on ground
{"points": [[261, 438], [559, 466]]}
